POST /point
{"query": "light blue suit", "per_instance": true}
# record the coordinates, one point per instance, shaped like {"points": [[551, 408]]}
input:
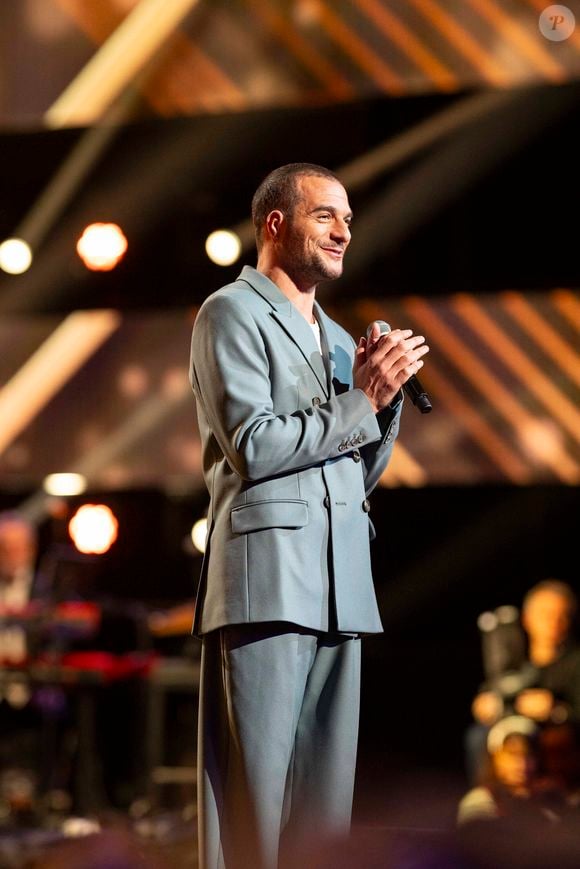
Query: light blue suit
{"points": [[290, 453], [289, 456]]}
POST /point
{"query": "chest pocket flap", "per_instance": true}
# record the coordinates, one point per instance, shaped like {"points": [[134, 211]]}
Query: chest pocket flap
{"points": [[287, 513]]}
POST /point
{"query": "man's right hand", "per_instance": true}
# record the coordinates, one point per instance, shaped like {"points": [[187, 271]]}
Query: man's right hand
{"points": [[384, 363]]}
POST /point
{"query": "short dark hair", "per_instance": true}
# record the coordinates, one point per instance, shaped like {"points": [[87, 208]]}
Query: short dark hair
{"points": [[279, 190], [557, 587]]}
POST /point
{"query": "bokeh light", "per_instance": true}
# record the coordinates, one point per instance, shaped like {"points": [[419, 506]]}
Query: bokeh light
{"points": [[223, 247], [198, 534], [93, 529], [15, 256], [64, 484], [102, 246]]}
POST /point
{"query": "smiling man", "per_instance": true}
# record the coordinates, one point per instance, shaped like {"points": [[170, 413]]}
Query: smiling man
{"points": [[297, 424]]}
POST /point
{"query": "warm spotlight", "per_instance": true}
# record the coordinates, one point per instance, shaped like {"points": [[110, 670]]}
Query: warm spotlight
{"points": [[102, 246], [223, 247], [15, 256], [64, 484], [93, 528], [198, 534]]}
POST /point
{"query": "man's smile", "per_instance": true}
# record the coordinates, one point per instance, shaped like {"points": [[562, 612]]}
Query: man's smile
{"points": [[336, 252]]}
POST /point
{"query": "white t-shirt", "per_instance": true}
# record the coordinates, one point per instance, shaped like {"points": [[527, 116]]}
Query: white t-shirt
{"points": [[316, 329]]}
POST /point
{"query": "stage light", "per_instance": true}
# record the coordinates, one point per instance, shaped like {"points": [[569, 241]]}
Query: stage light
{"points": [[507, 615], [15, 256], [198, 534], [77, 828], [64, 484], [102, 246], [487, 622], [93, 529], [223, 247]]}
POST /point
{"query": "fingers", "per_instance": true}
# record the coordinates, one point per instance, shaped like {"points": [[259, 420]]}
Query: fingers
{"points": [[410, 370], [382, 368], [399, 348], [408, 363], [399, 356], [360, 354], [373, 339], [387, 342]]}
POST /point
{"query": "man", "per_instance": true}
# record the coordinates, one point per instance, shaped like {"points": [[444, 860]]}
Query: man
{"points": [[294, 438]]}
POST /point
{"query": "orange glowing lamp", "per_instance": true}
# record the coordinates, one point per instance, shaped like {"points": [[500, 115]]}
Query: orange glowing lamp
{"points": [[93, 529], [102, 246]]}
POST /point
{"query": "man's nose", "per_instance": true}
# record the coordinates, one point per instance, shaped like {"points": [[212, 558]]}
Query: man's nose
{"points": [[341, 231]]}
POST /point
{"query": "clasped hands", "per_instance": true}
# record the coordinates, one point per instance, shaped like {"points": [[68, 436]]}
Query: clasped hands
{"points": [[384, 362], [534, 703]]}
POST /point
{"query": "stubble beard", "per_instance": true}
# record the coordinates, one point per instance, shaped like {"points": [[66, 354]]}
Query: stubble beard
{"points": [[310, 267]]}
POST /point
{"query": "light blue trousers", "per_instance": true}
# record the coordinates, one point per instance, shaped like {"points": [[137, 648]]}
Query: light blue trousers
{"points": [[278, 729]]}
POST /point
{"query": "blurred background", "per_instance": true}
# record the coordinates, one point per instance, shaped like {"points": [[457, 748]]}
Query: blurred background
{"points": [[130, 132]]}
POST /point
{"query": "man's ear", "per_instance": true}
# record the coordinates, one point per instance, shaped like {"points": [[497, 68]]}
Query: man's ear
{"points": [[274, 223]]}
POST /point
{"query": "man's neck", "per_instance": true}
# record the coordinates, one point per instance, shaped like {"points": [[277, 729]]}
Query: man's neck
{"points": [[302, 299]]}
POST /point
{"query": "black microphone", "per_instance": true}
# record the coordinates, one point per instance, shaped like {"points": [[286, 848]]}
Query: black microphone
{"points": [[413, 386]]}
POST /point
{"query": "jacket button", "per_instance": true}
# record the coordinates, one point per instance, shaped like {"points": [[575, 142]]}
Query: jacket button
{"points": [[356, 456], [360, 438], [366, 505], [341, 448], [326, 501], [316, 401]]}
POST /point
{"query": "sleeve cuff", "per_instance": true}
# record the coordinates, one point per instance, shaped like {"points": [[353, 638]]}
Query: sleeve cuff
{"points": [[386, 416]]}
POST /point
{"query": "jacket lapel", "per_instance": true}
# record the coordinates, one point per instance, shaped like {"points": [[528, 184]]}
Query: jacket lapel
{"points": [[292, 322], [323, 322], [337, 355]]}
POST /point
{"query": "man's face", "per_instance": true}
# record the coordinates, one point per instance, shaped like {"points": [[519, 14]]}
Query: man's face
{"points": [[514, 763], [547, 618], [314, 238]]}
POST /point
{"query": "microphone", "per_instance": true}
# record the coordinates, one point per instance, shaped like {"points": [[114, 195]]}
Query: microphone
{"points": [[413, 386]]}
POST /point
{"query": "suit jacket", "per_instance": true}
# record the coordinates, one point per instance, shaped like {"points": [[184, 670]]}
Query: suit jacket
{"points": [[290, 454]]}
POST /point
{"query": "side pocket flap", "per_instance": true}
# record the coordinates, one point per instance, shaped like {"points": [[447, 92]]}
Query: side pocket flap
{"points": [[269, 514]]}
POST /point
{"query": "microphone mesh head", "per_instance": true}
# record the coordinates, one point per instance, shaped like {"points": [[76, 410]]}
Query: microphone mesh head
{"points": [[385, 328]]}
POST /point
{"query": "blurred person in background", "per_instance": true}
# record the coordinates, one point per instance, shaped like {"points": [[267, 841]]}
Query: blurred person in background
{"points": [[548, 682], [509, 785], [20, 585]]}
